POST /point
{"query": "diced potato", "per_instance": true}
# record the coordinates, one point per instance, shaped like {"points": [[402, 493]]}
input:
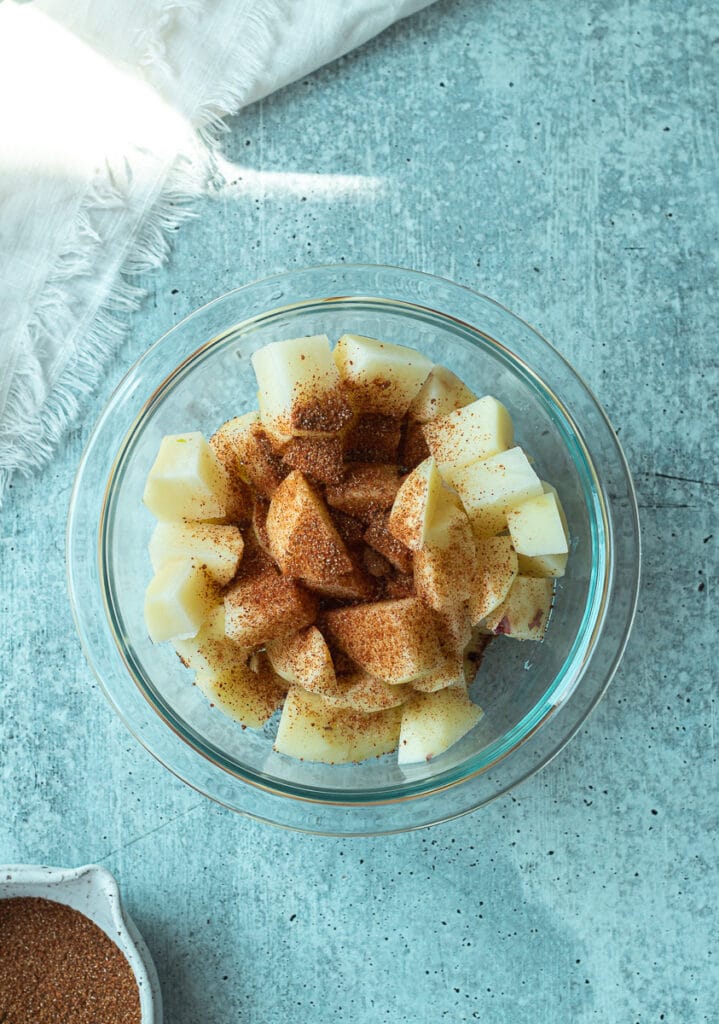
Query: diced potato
{"points": [[303, 538], [303, 659], [249, 697], [490, 488], [216, 549], [313, 731], [449, 673], [362, 692], [239, 506], [415, 505], [471, 433], [321, 458], [413, 447], [177, 600], [444, 565], [441, 393], [299, 387], [455, 628], [496, 569], [543, 565], [524, 612], [373, 438], [186, 480], [384, 543], [210, 646], [365, 490], [243, 442], [380, 377], [396, 641], [553, 565], [265, 606], [433, 722], [536, 527]]}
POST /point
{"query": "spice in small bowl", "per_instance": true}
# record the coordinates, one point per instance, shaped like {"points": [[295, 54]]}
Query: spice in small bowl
{"points": [[57, 965]]}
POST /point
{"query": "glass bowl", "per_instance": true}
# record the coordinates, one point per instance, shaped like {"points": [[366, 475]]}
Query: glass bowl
{"points": [[535, 696]]}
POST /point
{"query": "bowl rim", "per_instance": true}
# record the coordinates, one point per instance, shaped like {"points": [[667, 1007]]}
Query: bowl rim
{"points": [[435, 784]]}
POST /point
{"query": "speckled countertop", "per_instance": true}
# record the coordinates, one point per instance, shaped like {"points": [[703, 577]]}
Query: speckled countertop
{"points": [[562, 158]]}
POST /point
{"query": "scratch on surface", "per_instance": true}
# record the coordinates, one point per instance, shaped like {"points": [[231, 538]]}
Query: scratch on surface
{"points": [[152, 831], [683, 479], [665, 504]]}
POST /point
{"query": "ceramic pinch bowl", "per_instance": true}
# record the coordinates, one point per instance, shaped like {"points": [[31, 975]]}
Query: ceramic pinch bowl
{"points": [[93, 891]]}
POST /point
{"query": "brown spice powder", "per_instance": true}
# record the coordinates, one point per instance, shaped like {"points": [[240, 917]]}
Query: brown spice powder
{"points": [[58, 967]]}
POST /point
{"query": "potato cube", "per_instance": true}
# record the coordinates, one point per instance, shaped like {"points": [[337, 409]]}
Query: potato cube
{"points": [[415, 505], [543, 565], [186, 480], [471, 433], [242, 442], [396, 641], [299, 387], [177, 600], [380, 377], [303, 659], [495, 571], [524, 612], [249, 697], [433, 722], [536, 527], [362, 692], [373, 438], [365, 490], [490, 488], [312, 730], [216, 549], [266, 605], [441, 393], [303, 538]]}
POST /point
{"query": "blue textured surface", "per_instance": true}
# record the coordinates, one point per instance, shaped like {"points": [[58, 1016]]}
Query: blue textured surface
{"points": [[562, 158]]}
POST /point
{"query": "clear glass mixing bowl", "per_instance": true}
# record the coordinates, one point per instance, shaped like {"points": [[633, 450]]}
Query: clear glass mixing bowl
{"points": [[534, 696]]}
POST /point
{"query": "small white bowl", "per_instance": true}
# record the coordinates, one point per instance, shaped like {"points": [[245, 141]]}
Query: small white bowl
{"points": [[94, 892]]}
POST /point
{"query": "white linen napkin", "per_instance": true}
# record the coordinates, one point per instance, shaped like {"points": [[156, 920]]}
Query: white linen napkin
{"points": [[109, 115]]}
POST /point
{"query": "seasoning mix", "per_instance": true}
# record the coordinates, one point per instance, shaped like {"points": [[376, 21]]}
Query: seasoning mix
{"points": [[58, 967]]}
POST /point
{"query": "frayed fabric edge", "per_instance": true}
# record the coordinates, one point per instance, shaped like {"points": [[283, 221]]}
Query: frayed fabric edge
{"points": [[40, 430]]}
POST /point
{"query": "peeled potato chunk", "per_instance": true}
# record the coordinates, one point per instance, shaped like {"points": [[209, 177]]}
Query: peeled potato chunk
{"points": [[242, 443], [433, 722], [303, 538], [396, 641], [247, 696], [444, 565], [450, 672], [365, 490], [177, 600], [415, 505], [495, 571], [380, 377], [299, 387], [186, 480], [216, 549], [265, 606], [313, 731], [210, 646], [441, 393], [490, 488], [543, 565], [524, 612], [469, 434], [536, 527], [303, 659], [362, 692]]}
